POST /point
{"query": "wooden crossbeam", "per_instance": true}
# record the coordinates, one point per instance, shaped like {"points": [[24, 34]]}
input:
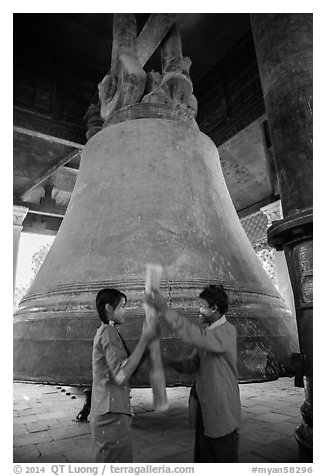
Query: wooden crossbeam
{"points": [[51, 170], [51, 138], [43, 209], [154, 32], [256, 207]]}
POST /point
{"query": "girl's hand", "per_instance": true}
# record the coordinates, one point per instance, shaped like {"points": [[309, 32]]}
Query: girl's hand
{"points": [[151, 331]]}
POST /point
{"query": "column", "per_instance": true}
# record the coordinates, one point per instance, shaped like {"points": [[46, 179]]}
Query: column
{"points": [[273, 212], [283, 45], [19, 216]]}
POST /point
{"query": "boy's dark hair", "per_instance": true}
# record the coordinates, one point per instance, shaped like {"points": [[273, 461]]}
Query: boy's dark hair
{"points": [[108, 296], [215, 295]]}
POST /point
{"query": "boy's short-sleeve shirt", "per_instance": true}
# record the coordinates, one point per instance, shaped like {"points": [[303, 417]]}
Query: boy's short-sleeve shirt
{"points": [[109, 356]]}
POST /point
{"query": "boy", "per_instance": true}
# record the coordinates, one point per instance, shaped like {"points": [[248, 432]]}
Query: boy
{"points": [[219, 409], [112, 368]]}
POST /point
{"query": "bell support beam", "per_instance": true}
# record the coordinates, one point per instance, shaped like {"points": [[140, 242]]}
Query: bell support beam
{"points": [[284, 51], [153, 33]]}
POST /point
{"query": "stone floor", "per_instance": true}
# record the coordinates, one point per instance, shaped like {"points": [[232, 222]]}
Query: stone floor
{"points": [[45, 429]]}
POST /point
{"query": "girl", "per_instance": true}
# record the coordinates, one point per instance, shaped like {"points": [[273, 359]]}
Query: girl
{"points": [[112, 368]]}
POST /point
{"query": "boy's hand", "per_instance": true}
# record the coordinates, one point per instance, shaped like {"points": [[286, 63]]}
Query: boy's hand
{"points": [[156, 300]]}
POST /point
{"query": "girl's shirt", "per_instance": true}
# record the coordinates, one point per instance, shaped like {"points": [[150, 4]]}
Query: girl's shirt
{"points": [[109, 356]]}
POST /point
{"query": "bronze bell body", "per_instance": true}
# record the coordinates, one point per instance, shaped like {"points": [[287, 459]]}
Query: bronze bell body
{"points": [[150, 189]]}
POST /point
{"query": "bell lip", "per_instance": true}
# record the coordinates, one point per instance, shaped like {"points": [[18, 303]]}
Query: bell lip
{"points": [[37, 381], [145, 110], [30, 349]]}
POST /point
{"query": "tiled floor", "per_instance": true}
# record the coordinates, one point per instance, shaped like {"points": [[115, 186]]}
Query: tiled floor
{"points": [[45, 428]]}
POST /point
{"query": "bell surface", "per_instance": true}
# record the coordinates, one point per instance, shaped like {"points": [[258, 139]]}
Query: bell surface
{"points": [[150, 189]]}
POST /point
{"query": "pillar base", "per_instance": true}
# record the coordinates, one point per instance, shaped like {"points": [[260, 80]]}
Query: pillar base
{"points": [[304, 438]]}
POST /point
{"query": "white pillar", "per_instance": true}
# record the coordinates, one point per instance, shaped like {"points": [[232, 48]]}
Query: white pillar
{"points": [[19, 216], [274, 212]]}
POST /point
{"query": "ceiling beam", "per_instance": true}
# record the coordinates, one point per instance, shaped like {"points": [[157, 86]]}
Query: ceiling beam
{"points": [[154, 32], [63, 179], [37, 182], [41, 135], [256, 206], [42, 209]]}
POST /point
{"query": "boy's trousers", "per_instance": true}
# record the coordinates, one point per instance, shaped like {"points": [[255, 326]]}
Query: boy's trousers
{"points": [[214, 450]]}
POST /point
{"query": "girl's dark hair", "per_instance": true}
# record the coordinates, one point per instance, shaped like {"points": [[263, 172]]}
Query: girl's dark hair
{"points": [[215, 295], [108, 296]]}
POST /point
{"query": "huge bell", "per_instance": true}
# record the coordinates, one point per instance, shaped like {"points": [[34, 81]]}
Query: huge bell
{"points": [[150, 189]]}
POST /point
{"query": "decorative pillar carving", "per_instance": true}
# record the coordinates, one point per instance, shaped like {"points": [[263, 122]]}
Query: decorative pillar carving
{"points": [[273, 211], [93, 119], [19, 216], [283, 44]]}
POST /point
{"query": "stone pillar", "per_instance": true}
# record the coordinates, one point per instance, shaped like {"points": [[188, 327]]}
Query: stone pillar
{"points": [[283, 45], [273, 212], [19, 216]]}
